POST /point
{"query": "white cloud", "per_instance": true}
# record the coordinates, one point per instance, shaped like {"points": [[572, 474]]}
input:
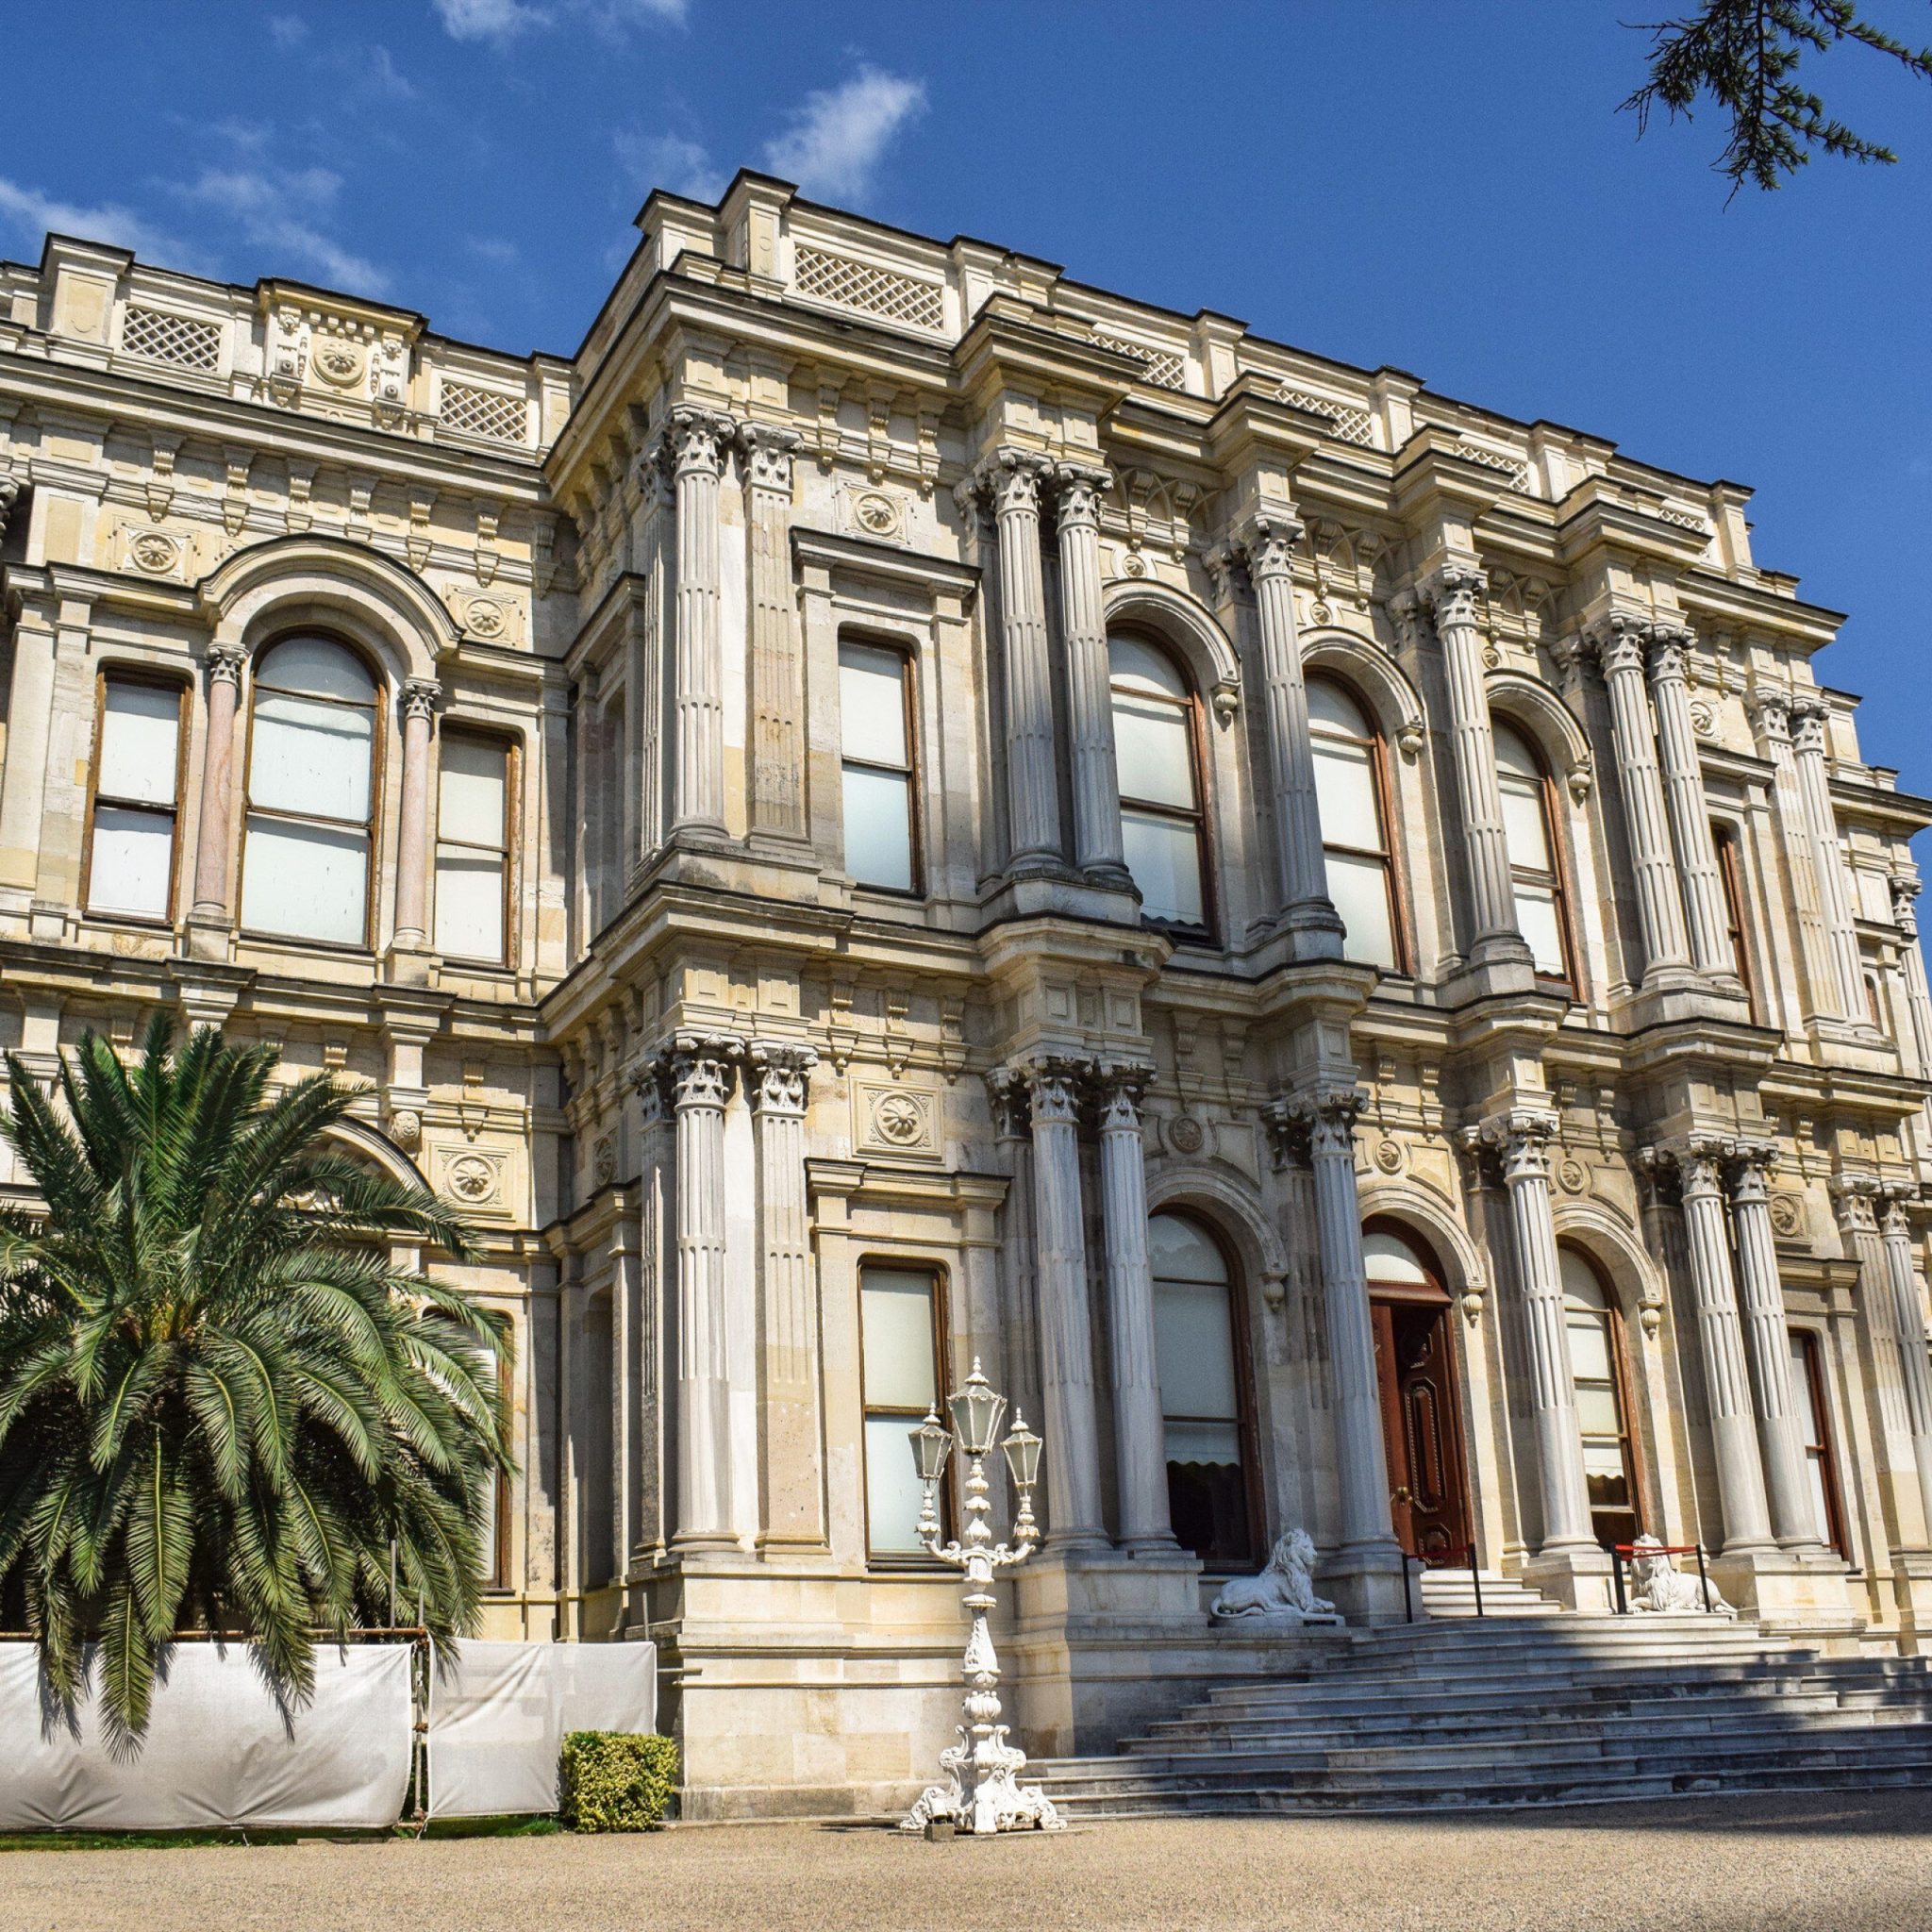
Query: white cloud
{"points": [[840, 135], [503, 21], [487, 20], [286, 30], [34, 214], [281, 213], [383, 77], [669, 161]]}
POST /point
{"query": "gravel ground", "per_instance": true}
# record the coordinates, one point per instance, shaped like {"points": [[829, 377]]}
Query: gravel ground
{"points": [[1824, 1862]]}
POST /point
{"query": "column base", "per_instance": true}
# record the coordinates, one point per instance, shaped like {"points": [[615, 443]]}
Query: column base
{"points": [[1576, 1574], [1364, 1582], [1912, 1586], [1787, 1589], [407, 964]]}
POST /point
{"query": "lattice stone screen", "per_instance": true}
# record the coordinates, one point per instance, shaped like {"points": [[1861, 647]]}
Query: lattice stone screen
{"points": [[1163, 368], [858, 285], [1350, 425], [486, 412], [183, 339]]}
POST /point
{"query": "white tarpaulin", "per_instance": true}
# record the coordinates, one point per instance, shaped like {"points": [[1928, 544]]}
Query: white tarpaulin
{"points": [[217, 1750], [499, 1712]]}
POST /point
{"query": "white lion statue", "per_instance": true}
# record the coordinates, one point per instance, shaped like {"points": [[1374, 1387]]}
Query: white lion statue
{"points": [[1657, 1584], [1285, 1590]]}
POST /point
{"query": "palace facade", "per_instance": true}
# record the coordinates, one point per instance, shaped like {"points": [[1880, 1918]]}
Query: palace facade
{"points": [[898, 807]]}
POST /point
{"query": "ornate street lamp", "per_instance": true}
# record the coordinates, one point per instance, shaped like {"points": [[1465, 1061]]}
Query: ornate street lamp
{"points": [[982, 1792]]}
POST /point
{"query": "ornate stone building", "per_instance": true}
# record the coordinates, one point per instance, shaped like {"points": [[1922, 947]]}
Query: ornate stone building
{"points": [[897, 806]]}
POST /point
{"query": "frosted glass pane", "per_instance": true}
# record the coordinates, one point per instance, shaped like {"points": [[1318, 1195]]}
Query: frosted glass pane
{"points": [[1581, 1289], [1179, 1251], [1821, 1507], [896, 1310], [1801, 1392], [1345, 792], [468, 904], [471, 790], [1389, 1258], [317, 666], [892, 1489], [310, 757], [1514, 758], [1141, 666], [1151, 748], [1165, 860], [871, 704], [1218, 1443], [1330, 706], [1359, 889], [140, 734], [132, 853], [1194, 1349], [308, 882], [1523, 826], [1535, 918], [878, 828], [1589, 1350], [1596, 1410]]}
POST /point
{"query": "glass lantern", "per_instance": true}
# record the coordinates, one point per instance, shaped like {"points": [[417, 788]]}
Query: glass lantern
{"points": [[977, 1412], [932, 1442], [1022, 1448]]}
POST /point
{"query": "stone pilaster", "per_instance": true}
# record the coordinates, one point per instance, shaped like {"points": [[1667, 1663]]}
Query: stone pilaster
{"points": [[213, 907], [1683, 774], [696, 446], [24, 776], [1140, 1451], [1266, 544], [1908, 1322], [1097, 848], [777, 809], [1912, 969], [418, 706], [1827, 860], [1771, 714], [778, 1078], [1619, 642]]}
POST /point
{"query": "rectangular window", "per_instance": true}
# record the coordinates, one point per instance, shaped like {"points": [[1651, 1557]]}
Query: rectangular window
{"points": [[876, 736], [136, 806], [1808, 1394], [898, 1328], [473, 847], [1731, 871]]}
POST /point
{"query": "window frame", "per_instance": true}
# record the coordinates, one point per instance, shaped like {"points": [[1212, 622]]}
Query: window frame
{"points": [[936, 1272], [512, 748], [1622, 1387], [1207, 933], [1382, 779], [1559, 879], [915, 819], [1812, 1347], [1247, 1429], [378, 767], [499, 1579], [153, 680], [1729, 847]]}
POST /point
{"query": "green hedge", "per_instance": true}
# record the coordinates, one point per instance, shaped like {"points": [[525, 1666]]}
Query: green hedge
{"points": [[615, 1780]]}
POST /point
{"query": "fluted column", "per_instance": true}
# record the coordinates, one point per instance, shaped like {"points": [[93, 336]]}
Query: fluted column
{"points": [[1140, 1444], [1450, 594], [1011, 479], [1913, 966], [214, 836], [778, 1080], [1066, 1331], [1771, 715], [1620, 643], [1768, 1349], [703, 1067], [1097, 848], [695, 443], [1720, 1344], [1266, 544], [778, 671], [1704, 892], [417, 706], [1827, 860], [1521, 1139], [1908, 1321]]}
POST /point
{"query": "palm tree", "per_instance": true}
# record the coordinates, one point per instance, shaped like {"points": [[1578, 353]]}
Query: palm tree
{"points": [[222, 1406]]}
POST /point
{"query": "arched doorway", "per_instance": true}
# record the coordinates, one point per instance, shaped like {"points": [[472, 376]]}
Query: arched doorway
{"points": [[1415, 1369], [1198, 1357], [1603, 1399]]}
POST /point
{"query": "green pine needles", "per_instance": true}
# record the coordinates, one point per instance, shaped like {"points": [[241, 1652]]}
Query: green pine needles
{"points": [[222, 1405]]}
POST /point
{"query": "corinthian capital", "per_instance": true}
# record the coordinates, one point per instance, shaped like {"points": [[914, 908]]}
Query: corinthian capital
{"points": [[1519, 1140], [1748, 1168], [1669, 645], [1893, 1201], [1450, 592], [1697, 1161], [701, 1068], [225, 663], [1770, 710], [1118, 1089], [1009, 479], [1319, 1122], [1082, 487], [782, 1074], [1265, 542], [1903, 889], [768, 455], [1053, 1086], [419, 696], [1006, 1094], [1808, 722], [1618, 639], [695, 439]]}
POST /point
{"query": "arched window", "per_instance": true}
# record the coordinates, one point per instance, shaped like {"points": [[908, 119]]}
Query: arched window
{"points": [[1156, 754], [311, 764], [1197, 1356], [1541, 917], [1596, 1366], [1350, 789]]}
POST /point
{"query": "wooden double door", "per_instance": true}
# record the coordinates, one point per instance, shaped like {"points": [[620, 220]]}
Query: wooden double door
{"points": [[1421, 1429]]}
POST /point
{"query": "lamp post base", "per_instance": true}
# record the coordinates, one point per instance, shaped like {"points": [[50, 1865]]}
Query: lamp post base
{"points": [[983, 1794]]}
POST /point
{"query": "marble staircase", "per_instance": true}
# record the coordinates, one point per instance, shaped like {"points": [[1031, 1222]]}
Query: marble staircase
{"points": [[1529, 1708]]}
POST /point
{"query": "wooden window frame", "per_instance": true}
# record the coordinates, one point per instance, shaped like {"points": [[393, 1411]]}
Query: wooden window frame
{"points": [[378, 758], [1635, 1469], [910, 771], [154, 680], [904, 1559], [1377, 743], [1207, 933], [1558, 878], [1812, 1347], [513, 747], [1727, 841]]}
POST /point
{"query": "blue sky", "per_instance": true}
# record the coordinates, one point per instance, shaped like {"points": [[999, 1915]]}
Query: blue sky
{"points": [[1444, 187]]}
